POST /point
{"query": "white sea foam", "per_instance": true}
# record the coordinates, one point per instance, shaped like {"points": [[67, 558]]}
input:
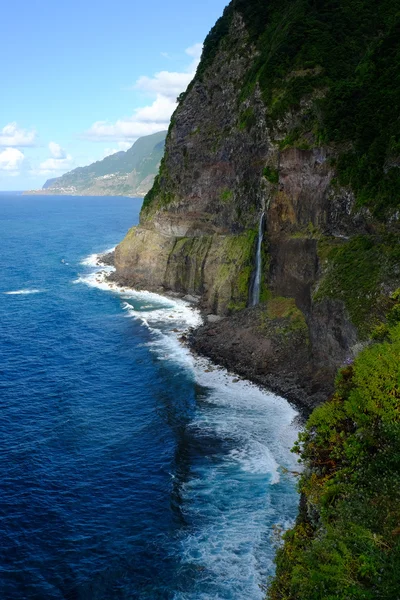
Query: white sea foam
{"points": [[233, 503], [256, 458], [148, 306], [23, 292], [91, 261], [98, 279], [231, 499], [179, 314], [94, 260]]}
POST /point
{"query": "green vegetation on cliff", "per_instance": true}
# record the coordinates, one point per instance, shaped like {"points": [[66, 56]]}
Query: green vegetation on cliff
{"points": [[155, 191], [321, 77], [127, 173], [233, 275], [360, 271], [343, 56], [346, 542], [284, 313]]}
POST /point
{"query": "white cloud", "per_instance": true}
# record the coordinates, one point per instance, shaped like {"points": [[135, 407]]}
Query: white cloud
{"points": [[124, 146], [165, 86], [144, 121], [11, 135], [121, 146], [195, 51], [11, 160], [169, 83], [165, 83], [128, 128], [56, 151], [55, 165], [59, 162], [158, 112]]}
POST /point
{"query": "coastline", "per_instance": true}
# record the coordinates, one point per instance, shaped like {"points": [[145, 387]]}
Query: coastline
{"points": [[188, 337], [229, 407], [240, 354], [237, 344], [124, 420], [80, 193]]}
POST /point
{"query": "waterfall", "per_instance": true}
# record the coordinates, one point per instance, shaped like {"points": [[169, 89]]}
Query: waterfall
{"points": [[255, 293]]}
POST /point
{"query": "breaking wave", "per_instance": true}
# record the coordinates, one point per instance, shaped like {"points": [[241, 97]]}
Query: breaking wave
{"points": [[23, 292], [240, 484]]}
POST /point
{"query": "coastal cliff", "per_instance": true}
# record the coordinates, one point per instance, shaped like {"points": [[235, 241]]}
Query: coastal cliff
{"points": [[284, 154], [265, 130]]}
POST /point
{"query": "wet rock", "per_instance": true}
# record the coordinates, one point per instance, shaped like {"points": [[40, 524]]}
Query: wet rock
{"points": [[107, 259], [191, 299], [214, 318], [251, 344]]}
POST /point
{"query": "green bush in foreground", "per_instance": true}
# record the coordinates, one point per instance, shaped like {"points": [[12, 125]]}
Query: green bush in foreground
{"points": [[346, 542]]}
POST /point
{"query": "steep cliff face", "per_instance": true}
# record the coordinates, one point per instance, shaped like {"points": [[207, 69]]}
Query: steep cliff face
{"points": [[198, 226], [255, 134]]}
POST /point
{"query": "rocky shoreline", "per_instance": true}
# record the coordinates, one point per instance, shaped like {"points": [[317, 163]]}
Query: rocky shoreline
{"points": [[238, 343], [281, 175], [107, 259]]}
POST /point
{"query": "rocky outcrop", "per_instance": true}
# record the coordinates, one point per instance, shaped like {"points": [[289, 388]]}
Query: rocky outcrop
{"points": [[228, 160], [268, 344]]}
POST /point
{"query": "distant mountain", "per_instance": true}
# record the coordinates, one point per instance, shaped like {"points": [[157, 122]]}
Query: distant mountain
{"points": [[129, 173]]}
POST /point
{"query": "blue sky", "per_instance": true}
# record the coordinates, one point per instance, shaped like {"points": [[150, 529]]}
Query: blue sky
{"points": [[83, 79]]}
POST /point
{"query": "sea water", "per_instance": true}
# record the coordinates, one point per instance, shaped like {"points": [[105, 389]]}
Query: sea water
{"points": [[129, 468]]}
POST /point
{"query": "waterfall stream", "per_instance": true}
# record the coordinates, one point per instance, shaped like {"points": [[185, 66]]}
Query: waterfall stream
{"points": [[255, 294]]}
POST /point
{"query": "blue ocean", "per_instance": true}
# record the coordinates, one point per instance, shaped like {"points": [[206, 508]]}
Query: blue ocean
{"points": [[129, 468]]}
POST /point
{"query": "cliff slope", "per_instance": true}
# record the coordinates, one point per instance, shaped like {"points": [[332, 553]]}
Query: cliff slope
{"points": [[291, 115], [285, 149], [129, 173], [346, 542]]}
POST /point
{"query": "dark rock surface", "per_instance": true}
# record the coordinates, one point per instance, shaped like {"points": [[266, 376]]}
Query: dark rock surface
{"points": [[227, 161], [283, 363], [107, 259]]}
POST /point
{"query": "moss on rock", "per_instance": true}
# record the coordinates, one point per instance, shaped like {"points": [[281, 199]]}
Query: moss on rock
{"points": [[233, 257], [361, 272]]}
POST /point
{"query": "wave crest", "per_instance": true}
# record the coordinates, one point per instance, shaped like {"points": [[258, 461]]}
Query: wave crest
{"points": [[22, 292]]}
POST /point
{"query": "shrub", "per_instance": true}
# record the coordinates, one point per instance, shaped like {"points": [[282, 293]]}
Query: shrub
{"points": [[346, 544]]}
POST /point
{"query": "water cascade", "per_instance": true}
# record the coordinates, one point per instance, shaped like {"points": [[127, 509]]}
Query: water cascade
{"points": [[255, 293]]}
